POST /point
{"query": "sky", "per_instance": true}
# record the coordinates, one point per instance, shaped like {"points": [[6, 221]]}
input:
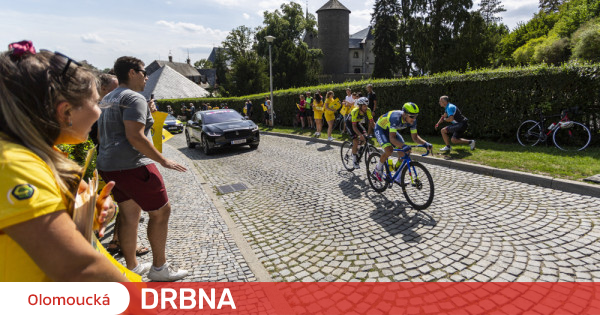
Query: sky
{"points": [[101, 31]]}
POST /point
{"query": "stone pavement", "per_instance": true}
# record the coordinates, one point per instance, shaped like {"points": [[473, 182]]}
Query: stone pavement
{"points": [[199, 239], [307, 219]]}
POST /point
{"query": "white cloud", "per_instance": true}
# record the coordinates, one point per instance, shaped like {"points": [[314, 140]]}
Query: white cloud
{"points": [[246, 16], [92, 39], [169, 2], [179, 27]]}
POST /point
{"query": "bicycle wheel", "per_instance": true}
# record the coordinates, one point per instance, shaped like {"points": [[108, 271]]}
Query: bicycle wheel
{"points": [[346, 153], [370, 150], [342, 124], [378, 186], [529, 133], [572, 136], [418, 186]]}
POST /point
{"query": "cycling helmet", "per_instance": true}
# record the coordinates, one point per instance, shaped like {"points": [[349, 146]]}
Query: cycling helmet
{"points": [[362, 101], [410, 108]]}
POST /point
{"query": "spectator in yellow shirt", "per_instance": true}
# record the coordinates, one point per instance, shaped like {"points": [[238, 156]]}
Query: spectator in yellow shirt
{"points": [[46, 99], [329, 113]]}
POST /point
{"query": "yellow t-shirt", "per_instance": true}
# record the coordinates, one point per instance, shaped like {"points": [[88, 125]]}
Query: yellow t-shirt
{"points": [[27, 190]]}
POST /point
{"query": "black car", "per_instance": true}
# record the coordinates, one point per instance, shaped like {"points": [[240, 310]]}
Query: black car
{"points": [[220, 128], [172, 124]]}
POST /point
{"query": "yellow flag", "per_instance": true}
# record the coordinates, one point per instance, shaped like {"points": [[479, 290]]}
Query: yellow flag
{"points": [[157, 129], [166, 135], [264, 107]]}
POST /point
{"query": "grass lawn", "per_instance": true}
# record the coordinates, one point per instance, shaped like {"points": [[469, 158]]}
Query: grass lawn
{"points": [[541, 159]]}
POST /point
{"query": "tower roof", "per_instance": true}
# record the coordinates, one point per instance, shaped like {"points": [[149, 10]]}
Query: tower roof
{"points": [[333, 5]]}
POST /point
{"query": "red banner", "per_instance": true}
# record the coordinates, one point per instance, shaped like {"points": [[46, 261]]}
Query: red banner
{"points": [[364, 298]]}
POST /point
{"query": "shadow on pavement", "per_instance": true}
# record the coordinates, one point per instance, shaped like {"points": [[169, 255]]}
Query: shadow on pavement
{"points": [[394, 218], [197, 154], [352, 185], [327, 147]]}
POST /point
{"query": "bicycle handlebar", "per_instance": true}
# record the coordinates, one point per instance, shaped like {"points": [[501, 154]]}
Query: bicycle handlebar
{"points": [[415, 146]]}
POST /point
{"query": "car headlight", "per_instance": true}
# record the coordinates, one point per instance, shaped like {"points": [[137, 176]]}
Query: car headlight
{"points": [[179, 124], [255, 129], [214, 134]]}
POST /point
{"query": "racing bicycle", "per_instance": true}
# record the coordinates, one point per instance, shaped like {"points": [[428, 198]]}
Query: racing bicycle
{"points": [[412, 177], [566, 134], [364, 151]]}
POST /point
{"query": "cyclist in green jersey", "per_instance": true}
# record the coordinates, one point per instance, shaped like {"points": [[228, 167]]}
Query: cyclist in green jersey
{"points": [[387, 132], [355, 127]]}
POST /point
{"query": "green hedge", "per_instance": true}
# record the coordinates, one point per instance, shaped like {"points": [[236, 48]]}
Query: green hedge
{"points": [[495, 101]]}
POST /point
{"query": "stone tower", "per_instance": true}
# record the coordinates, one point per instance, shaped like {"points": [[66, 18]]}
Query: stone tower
{"points": [[334, 23]]}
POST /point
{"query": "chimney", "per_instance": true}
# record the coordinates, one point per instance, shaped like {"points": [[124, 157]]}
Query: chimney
{"points": [[188, 59], [170, 57]]}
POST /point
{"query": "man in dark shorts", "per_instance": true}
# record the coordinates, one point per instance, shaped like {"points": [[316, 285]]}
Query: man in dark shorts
{"points": [[126, 156], [459, 124]]}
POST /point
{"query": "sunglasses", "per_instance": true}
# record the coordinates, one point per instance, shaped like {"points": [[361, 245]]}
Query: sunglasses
{"points": [[412, 116], [142, 71], [66, 60]]}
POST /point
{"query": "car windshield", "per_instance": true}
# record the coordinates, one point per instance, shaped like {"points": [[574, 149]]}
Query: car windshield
{"points": [[170, 117], [213, 117]]}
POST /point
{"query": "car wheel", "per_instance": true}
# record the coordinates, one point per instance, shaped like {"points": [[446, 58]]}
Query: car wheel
{"points": [[205, 147], [189, 142], [253, 146]]}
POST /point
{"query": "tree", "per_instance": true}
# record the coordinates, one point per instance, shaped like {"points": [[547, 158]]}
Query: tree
{"points": [[385, 31], [248, 71], [221, 71], [488, 10], [434, 26], [203, 64], [549, 6], [293, 63]]}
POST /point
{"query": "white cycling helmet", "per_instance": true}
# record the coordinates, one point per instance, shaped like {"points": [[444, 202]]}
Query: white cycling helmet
{"points": [[362, 101]]}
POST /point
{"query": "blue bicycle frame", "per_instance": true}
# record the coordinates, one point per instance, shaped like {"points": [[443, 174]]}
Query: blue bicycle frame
{"points": [[405, 161]]}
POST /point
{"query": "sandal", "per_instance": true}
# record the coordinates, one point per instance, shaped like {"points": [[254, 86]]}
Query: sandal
{"points": [[141, 251], [113, 247]]}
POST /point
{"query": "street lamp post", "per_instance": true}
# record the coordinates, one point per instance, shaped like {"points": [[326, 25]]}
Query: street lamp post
{"points": [[270, 39]]}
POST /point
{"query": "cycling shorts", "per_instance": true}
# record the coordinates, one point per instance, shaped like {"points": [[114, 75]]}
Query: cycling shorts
{"points": [[383, 137], [350, 130]]}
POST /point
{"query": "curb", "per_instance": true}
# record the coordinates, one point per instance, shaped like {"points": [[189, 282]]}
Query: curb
{"points": [[565, 185]]}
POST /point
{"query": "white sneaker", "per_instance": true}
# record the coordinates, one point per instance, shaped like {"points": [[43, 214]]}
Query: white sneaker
{"points": [[330, 139], [446, 149], [472, 144], [166, 274], [356, 165], [141, 269], [317, 134]]}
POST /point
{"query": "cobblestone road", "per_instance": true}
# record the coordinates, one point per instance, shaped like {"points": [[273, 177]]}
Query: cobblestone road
{"points": [[199, 240], [307, 219]]}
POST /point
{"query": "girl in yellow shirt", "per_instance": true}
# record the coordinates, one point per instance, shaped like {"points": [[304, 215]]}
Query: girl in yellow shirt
{"points": [[47, 99], [318, 110], [330, 113]]}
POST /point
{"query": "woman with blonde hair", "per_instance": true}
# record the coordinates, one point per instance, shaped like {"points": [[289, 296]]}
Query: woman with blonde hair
{"points": [[329, 113], [46, 99]]}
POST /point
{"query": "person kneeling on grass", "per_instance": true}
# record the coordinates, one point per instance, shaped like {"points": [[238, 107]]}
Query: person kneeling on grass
{"points": [[458, 127]]}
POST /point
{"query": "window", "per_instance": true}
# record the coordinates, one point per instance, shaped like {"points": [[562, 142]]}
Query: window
{"points": [[356, 54], [356, 70]]}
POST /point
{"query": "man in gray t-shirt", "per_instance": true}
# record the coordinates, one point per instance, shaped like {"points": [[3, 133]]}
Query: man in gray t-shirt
{"points": [[116, 153], [126, 157]]}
